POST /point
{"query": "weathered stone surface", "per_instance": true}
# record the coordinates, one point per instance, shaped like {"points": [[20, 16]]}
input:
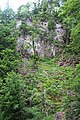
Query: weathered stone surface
{"points": [[59, 32], [43, 46], [59, 116]]}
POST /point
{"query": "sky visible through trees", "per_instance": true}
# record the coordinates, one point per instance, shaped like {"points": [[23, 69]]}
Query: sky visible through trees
{"points": [[14, 4]]}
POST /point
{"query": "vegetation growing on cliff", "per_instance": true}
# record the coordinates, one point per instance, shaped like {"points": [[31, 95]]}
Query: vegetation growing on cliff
{"points": [[34, 87]]}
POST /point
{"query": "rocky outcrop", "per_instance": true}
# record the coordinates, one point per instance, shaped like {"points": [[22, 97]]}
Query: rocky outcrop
{"points": [[59, 116], [43, 46], [59, 33]]}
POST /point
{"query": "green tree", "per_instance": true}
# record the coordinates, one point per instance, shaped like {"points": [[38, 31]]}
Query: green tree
{"points": [[11, 98], [72, 98], [24, 12], [70, 15], [9, 60], [7, 15]]}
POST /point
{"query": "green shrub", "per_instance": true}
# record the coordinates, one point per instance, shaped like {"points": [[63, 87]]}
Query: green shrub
{"points": [[11, 98]]}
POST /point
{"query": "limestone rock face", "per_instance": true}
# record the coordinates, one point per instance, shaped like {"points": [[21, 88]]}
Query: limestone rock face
{"points": [[59, 116], [43, 48], [59, 32], [18, 23]]}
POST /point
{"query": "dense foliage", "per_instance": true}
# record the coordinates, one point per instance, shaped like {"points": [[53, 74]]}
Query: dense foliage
{"points": [[70, 15], [11, 98], [32, 87]]}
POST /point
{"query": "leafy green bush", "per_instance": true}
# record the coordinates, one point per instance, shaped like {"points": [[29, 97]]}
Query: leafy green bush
{"points": [[11, 98], [71, 100], [69, 13], [33, 113]]}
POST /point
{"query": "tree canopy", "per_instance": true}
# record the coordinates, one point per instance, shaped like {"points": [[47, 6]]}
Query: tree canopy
{"points": [[34, 87]]}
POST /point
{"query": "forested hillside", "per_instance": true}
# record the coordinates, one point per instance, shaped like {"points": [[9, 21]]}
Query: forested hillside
{"points": [[40, 61]]}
